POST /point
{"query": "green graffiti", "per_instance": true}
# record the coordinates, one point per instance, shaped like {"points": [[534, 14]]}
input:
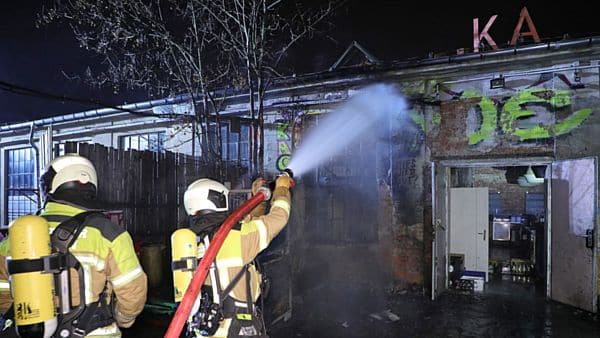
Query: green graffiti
{"points": [[572, 121], [282, 162], [418, 119], [488, 116], [513, 111], [283, 144], [470, 94], [507, 118], [437, 118], [284, 148], [413, 88], [282, 131], [537, 132]]}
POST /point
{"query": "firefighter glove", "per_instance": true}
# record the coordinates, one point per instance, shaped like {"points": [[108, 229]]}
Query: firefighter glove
{"points": [[257, 184], [284, 181]]}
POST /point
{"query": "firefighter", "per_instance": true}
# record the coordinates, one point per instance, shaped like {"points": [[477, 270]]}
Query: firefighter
{"points": [[115, 286], [206, 202]]}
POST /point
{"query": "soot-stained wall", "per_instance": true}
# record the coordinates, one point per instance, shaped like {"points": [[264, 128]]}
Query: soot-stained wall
{"points": [[374, 200]]}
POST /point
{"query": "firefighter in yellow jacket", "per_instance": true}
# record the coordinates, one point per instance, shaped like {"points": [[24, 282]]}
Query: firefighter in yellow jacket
{"points": [[112, 273], [229, 310]]}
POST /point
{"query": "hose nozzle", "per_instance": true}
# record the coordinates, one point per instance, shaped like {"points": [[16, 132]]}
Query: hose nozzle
{"points": [[289, 172]]}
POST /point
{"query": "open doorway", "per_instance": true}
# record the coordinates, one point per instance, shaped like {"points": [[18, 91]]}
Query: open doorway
{"points": [[498, 229], [541, 226]]}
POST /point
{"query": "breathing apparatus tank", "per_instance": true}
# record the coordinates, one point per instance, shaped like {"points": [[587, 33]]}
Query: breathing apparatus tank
{"points": [[184, 253], [33, 290]]}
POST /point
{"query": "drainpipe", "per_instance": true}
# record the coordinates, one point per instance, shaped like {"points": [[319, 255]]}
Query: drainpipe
{"points": [[49, 150], [194, 138], [37, 159]]}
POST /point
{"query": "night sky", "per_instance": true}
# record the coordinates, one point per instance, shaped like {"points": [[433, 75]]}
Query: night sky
{"points": [[42, 58]]}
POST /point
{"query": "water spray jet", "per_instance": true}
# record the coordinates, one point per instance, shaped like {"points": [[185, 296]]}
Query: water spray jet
{"points": [[346, 124]]}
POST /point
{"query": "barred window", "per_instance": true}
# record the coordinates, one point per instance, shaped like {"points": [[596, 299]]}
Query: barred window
{"points": [[21, 194]]}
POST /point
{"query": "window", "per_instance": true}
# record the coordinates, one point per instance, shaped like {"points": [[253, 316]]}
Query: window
{"points": [[59, 149], [535, 204], [495, 203], [148, 141], [21, 184], [235, 145]]}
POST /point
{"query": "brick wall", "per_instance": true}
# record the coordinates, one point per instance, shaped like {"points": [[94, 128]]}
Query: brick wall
{"points": [[512, 196]]}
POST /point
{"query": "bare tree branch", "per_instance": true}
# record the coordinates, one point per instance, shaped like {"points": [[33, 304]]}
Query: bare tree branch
{"points": [[203, 48]]}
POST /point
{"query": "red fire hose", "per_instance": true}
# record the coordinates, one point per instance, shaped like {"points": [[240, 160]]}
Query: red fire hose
{"points": [[191, 293]]}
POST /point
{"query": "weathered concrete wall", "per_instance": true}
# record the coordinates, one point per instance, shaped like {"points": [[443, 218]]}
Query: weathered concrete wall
{"points": [[380, 176], [342, 209], [405, 243], [455, 119], [549, 109]]}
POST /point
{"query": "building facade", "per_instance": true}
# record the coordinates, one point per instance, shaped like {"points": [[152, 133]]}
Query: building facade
{"points": [[379, 211]]}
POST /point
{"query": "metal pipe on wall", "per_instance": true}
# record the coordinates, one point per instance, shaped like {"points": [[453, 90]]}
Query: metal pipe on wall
{"points": [[37, 160]]}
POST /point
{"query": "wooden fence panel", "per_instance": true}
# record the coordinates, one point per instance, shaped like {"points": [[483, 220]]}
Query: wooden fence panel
{"points": [[146, 186]]}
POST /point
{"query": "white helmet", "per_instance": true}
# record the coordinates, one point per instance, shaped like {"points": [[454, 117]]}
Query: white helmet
{"points": [[206, 195], [70, 171]]}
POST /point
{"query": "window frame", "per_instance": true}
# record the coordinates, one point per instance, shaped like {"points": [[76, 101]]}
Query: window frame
{"points": [[32, 186], [161, 136], [239, 145]]}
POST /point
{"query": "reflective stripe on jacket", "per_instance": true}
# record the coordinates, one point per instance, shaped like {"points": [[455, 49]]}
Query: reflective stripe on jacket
{"points": [[107, 256], [246, 241]]}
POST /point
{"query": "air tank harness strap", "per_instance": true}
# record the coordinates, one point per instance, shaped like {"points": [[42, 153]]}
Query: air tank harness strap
{"points": [[82, 319], [62, 238], [67, 232], [228, 305], [53, 263], [185, 264], [247, 320], [95, 315]]}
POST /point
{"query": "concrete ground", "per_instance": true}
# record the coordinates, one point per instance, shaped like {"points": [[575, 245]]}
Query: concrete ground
{"points": [[504, 309]]}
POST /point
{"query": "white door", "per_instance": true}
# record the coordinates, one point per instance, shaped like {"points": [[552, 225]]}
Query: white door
{"points": [[573, 223], [439, 193], [469, 226]]}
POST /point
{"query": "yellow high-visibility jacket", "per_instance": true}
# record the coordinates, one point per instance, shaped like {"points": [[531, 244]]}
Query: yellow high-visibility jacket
{"points": [[108, 258], [244, 242]]}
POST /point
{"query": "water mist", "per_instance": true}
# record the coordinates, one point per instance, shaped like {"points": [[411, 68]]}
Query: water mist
{"points": [[346, 124]]}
